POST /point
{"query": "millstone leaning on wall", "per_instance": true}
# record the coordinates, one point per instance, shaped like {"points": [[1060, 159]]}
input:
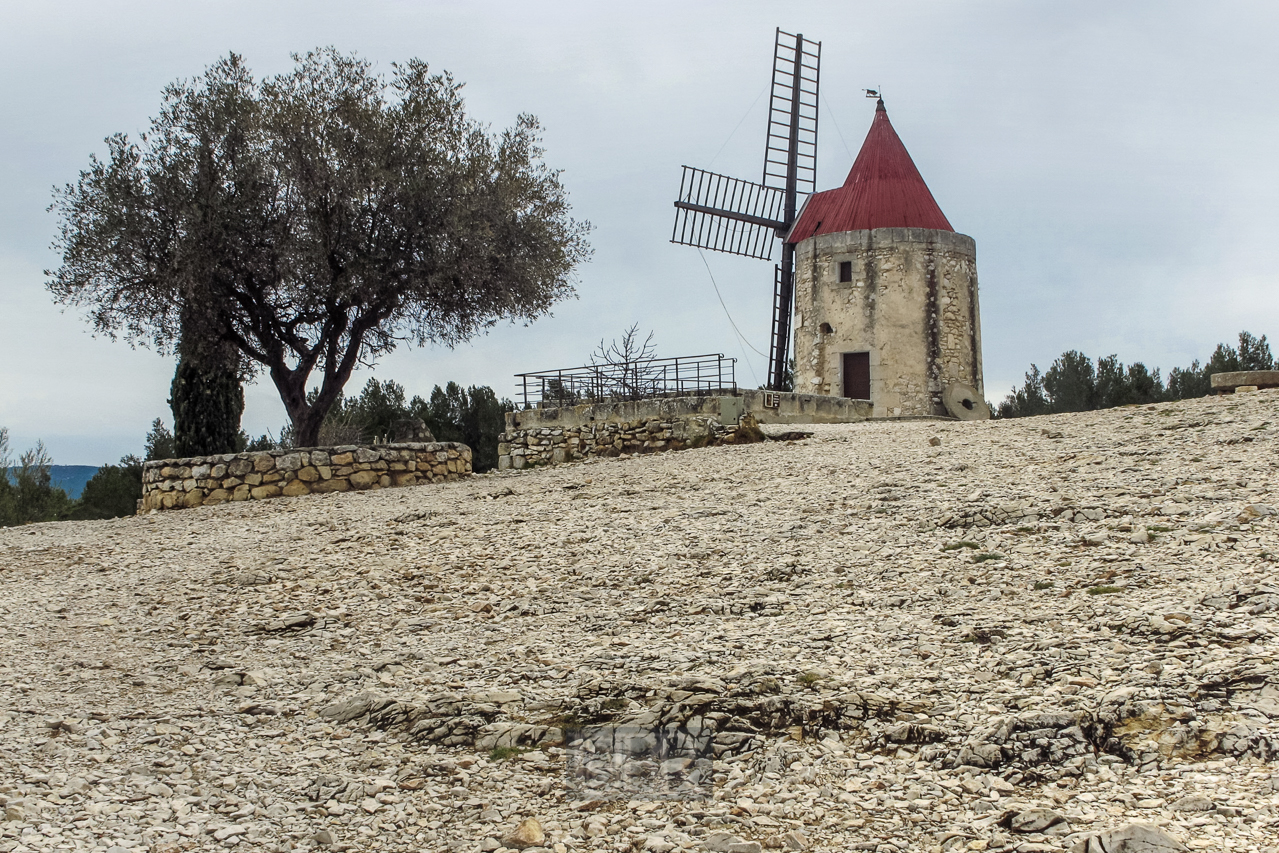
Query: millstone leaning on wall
{"points": [[207, 480]]}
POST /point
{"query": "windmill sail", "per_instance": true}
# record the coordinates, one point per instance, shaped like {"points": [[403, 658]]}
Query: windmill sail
{"points": [[727, 214], [744, 218], [792, 113]]}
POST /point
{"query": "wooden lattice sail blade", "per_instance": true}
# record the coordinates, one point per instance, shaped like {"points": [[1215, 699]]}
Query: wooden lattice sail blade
{"points": [[792, 113], [727, 214], [777, 343]]}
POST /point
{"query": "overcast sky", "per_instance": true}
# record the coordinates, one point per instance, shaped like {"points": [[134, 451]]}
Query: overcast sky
{"points": [[1115, 162]]}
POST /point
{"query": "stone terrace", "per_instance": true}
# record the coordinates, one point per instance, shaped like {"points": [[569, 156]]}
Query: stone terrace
{"points": [[904, 636]]}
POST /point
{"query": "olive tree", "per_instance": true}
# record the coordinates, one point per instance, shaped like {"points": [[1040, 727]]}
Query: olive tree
{"points": [[312, 221]]}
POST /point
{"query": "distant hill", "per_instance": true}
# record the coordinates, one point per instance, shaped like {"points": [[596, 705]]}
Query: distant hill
{"points": [[71, 478]]}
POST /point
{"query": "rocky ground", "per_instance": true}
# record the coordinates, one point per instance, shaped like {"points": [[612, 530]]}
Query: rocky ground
{"points": [[889, 636]]}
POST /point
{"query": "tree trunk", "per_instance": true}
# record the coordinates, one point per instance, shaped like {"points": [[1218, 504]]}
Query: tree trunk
{"points": [[307, 415]]}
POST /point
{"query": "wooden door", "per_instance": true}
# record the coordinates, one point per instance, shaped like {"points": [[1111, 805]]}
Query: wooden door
{"points": [[857, 375]]}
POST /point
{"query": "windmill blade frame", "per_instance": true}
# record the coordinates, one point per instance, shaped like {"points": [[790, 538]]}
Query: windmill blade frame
{"points": [[727, 214], [740, 217]]}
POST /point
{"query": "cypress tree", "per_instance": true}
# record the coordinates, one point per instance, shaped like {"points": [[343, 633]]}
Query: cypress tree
{"points": [[207, 400]]}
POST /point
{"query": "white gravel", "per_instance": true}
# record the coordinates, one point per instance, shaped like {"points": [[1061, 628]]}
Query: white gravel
{"points": [[1031, 631]]}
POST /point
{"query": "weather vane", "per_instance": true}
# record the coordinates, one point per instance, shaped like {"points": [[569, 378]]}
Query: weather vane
{"points": [[874, 93]]}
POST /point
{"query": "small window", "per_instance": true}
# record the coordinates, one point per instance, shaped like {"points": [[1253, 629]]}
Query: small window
{"points": [[845, 271]]}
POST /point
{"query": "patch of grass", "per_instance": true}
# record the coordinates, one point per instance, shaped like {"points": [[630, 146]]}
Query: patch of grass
{"points": [[567, 720], [1104, 590], [955, 546], [1043, 584], [617, 703], [506, 753], [991, 555], [1024, 529], [1157, 528], [810, 678]]}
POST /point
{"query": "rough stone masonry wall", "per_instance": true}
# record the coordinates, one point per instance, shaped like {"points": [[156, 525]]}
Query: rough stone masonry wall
{"points": [[529, 448], [912, 304], [204, 480]]}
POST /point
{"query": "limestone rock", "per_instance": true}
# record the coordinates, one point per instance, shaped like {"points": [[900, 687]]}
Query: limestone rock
{"points": [[1130, 838], [1037, 820], [527, 834], [1193, 803]]}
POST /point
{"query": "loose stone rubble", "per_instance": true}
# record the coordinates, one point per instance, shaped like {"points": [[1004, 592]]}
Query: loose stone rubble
{"points": [[1048, 634]]}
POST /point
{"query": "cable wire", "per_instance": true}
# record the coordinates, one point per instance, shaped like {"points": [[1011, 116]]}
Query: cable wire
{"points": [[740, 337], [749, 110], [830, 112]]}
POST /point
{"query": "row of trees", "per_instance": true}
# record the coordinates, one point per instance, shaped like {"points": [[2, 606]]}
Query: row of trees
{"points": [[474, 416], [26, 490], [471, 415], [27, 493], [1074, 384]]}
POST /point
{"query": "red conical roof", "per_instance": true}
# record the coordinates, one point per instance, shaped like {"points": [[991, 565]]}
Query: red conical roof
{"points": [[883, 190]]}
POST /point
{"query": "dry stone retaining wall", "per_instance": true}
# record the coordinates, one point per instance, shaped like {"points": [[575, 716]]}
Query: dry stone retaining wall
{"points": [[552, 445], [201, 480]]}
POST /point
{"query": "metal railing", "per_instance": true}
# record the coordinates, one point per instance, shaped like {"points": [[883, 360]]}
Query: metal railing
{"points": [[632, 380]]}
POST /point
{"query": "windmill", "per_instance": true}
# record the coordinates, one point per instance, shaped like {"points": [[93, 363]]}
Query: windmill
{"points": [[745, 218]]}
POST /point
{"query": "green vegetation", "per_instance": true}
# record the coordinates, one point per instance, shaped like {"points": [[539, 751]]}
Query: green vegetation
{"points": [[112, 492], [1074, 384], [810, 678], [207, 401], [992, 555], [506, 753], [474, 416], [26, 492], [955, 546], [1044, 584], [27, 495], [1104, 590]]}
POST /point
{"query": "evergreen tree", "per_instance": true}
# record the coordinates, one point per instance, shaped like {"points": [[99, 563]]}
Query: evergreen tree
{"points": [[379, 409], [207, 401], [159, 442], [8, 495], [1027, 400], [1142, 385], [1110, 387], [1188, 382], [474, 416], [1071, 383], [1254, 353], [1225, 359], [29, 493], [112, 492]]}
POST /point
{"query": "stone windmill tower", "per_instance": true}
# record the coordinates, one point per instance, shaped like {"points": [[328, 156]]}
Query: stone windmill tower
{"points": [[886, 291]]}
